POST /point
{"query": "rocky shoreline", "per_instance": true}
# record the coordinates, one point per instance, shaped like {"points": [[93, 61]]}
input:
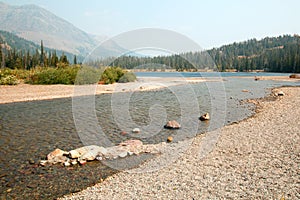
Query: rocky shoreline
{"points": [[257, 158]]}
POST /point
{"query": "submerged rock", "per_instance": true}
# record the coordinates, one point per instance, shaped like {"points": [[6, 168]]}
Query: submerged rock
{"points": [[204, 117], [136, 130], [172, 125]]}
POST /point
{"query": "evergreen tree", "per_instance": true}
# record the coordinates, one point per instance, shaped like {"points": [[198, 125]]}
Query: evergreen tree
{"points": [[42, 54]]}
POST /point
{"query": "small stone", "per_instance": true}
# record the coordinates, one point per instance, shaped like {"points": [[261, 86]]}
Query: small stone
{"points": [[123, 154], [56, 153], [82, 162], [136, 130], [245, 90], [67, 164], [280, 93], [123, 133], [8, 190], [170, 139], [99, 158], [74, 154], [172, 125], [43, 162], [295, 76], [31, 161], [204, 117], [74, 162], [130, 153]]}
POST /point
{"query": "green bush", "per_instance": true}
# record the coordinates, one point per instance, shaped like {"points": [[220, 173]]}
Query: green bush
{"points": [[88, 75], [8, 80], [112, 75], [127, 77], [66, 74], [8, 77], [48, 76]]}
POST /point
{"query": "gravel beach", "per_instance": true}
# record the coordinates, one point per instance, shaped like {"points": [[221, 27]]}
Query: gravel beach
{"points": [[257, 158]]}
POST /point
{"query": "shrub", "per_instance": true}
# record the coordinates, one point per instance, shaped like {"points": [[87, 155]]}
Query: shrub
{"points": [[7, 77], [127, 77], [9, 80], [88, 75], [112, 75], [53, 76]]}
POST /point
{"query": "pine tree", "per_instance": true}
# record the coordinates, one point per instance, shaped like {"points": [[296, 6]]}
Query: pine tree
{"points": [[42, 54], [75, 60]]}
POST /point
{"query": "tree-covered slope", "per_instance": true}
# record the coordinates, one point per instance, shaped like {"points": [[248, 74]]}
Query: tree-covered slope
{"points": [[275, 54]]}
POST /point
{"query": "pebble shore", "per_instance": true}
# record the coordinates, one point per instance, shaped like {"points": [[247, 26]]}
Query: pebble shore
{"points": [[257, 158]]}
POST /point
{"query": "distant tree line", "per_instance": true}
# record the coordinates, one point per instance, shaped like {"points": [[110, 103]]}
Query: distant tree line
{"points": [[18, 53], [13, 59], [276, 54]]}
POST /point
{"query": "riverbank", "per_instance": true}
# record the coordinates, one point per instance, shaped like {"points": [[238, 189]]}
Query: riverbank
{"points": [[26, 92], [257, 158]]}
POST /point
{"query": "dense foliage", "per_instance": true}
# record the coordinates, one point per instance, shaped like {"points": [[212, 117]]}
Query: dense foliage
{"points": [[75, 74], [276, 54]]}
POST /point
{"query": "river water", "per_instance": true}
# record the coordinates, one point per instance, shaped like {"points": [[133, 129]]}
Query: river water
{"points": [[30, 130]]}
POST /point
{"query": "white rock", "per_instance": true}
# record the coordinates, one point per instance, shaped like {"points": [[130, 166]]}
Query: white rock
{"points": [[74, 154], [136, 130], [280, 93], [74, 162], [43, 162], [123, 154], [67, 164]]}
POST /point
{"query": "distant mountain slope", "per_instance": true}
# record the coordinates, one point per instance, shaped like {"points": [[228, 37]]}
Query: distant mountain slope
{"points": [[35, 24], [10, 41]]}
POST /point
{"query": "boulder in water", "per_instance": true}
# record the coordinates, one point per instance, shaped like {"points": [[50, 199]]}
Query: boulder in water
{"points": [[204, 117], [136, 130], [172, 125]]}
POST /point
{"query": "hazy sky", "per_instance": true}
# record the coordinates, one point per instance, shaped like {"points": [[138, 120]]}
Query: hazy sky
{"points": [[210, 23]]}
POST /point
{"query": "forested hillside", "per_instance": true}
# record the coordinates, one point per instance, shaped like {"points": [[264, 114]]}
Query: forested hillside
{"points": [[274, 54], [16, 52]]}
